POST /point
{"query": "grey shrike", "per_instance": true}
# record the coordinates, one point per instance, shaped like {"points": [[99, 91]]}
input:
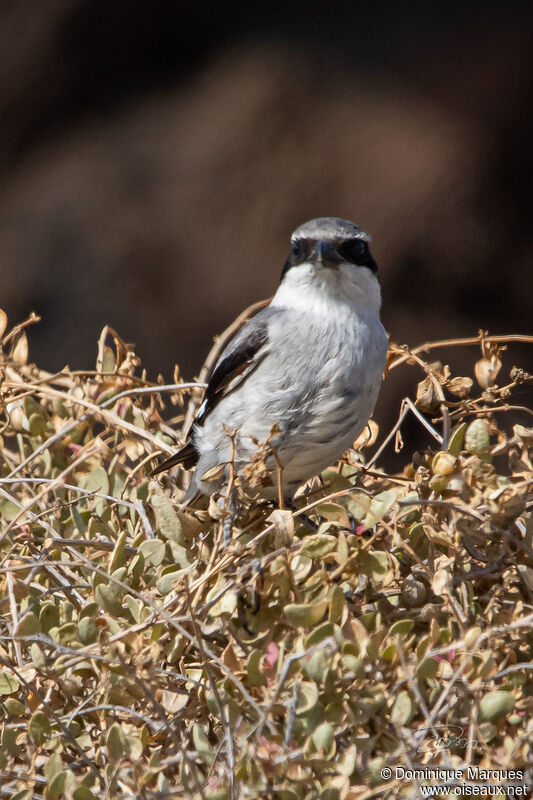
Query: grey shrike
{"points": [[310, 363]]}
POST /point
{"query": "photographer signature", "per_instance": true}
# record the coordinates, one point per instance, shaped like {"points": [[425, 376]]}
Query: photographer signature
{"points": [[453, 738]]}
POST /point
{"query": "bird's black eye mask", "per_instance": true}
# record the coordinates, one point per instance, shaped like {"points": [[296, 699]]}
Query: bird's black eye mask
{"points": [[352, 251]]}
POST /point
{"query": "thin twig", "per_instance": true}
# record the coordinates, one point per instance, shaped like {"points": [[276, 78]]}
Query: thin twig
{"points": [[222, 709], [406, 353], [109, 416], [14, 616]]}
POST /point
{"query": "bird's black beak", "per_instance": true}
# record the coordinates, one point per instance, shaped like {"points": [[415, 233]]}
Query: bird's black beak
{"points": [[326, 255]]}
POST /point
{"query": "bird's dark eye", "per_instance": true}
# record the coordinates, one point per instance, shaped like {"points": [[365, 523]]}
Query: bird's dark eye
{"points": [[353, 250], [356, 251], [300, 251]]}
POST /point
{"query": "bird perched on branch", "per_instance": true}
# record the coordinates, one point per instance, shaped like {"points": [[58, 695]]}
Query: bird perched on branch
{"points": [[304, 374]]}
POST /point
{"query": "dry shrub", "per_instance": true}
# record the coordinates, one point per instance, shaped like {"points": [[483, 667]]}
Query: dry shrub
{"points": [[140, 656]]}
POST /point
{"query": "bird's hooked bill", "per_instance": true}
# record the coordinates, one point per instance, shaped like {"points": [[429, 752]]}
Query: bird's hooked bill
{"points": [[326, 255]]}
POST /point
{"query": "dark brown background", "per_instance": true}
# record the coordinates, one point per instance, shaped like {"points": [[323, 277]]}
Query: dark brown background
{"points": [[154, 158]]}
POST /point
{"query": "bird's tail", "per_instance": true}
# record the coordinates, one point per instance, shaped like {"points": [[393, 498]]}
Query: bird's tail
{"points": [[187, 457]]}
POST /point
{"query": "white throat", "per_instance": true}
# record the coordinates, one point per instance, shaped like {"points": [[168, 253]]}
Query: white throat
{"points": [[311, 288]]}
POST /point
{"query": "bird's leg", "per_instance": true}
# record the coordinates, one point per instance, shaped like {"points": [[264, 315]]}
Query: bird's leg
{"points": [[229, 519]]}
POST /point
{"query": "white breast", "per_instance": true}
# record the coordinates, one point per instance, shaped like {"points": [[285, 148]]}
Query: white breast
{"points": [[319, 381]]}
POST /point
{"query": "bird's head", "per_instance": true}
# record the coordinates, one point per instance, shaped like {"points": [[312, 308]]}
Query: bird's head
{"points": [[331, 255]]}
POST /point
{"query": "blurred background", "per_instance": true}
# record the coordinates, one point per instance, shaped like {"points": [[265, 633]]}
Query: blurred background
{"points": [[154, 158]]}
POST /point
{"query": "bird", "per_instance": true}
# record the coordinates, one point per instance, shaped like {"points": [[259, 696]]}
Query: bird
{"points": [[304, 373]]}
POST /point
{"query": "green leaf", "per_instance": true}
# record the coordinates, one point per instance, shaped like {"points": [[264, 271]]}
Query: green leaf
{"points": [[39, 727], [37, 656], [83, 793], [226, 603], [153, 552], [255, 676], [8, 510], [14, 707], [285, 793], [323, 737], [495, 705], [24, 794], [37, 425], [335, 481], [346, 763], [167, 582], [108, 598], [97, 481], [351, 663], [427, 668], [389, 652], [8, 683], [116, 743], [179, 555], [49, 617], [317, 666], [53, 766], [135, 746], [402, 627], [136, 568], [88, 630], [318, 545], [329, 793], [375, 565], [65, 633], [323, 631], [477, 439], [9, 742], [379, 507], [56, 786], [305, 615], [135, 607], [108, 360], [168, 521], [358, 504], [201, 743], [118, 556], [332, 512], [306, 697], [402, 709], [488, 731], [28, 625], [336, 604], [456, 440]]}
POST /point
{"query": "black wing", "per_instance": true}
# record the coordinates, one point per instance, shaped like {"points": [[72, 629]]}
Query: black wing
{"points": [[239, 359], [242, 355], [187, 456]]}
